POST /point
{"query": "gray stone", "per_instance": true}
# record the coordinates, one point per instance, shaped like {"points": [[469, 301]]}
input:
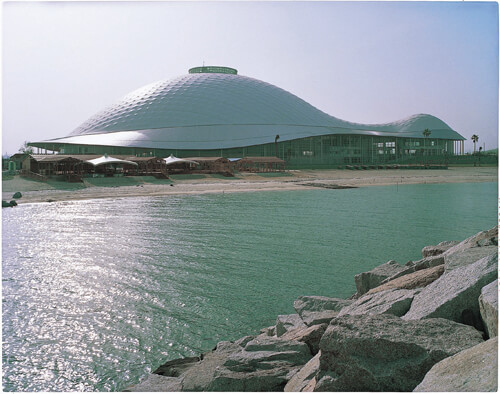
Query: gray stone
{"points": [[265, 364], [175, 368], [394, 301], [157, 383], [315, 310], [481, 239], [269, 331], [368, 280], [414, 280], [413, 266], [436, 250], [315, 318], [201, 375], [473, 369], [243, 341], [285, 323], [455, 294], [303, 377], [310, 336], [467, 257], [385, 352], [488, 308]]}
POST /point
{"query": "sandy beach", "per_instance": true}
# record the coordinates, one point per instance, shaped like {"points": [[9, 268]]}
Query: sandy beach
{"points": [[34, 191]]}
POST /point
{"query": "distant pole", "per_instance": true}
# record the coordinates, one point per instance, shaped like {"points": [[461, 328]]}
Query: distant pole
{"points": [[276, 144]]}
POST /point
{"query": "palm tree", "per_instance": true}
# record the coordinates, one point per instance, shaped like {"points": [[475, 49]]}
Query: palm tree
{"points": [[426, 133], [474, 139]]}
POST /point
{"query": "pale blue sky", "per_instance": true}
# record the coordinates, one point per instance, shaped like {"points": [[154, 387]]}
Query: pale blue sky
{"points": [[368, 62]]}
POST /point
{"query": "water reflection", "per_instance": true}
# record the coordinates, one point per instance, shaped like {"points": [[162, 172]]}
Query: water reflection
{"points": [[95, 293]]}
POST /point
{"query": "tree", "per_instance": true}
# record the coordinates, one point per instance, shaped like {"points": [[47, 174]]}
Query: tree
{"points": [[474, 139], [426, 133], [26, 149]]}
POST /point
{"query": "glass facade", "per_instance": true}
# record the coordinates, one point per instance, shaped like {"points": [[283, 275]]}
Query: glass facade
{"points": [[326, 151]]}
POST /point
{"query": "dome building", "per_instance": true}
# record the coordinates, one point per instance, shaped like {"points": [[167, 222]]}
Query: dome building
{"points": [[214, 111]]}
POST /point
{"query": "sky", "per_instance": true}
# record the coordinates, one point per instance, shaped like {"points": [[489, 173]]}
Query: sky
{"points": [[366, 62]]}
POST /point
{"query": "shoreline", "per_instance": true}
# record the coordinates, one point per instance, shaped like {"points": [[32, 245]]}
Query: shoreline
{"points": [[37, 192], [432, 330]]}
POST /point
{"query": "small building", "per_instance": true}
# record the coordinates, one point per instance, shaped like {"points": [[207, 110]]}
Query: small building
{"points": [[260, 164], [18, 159], [212, 165]]}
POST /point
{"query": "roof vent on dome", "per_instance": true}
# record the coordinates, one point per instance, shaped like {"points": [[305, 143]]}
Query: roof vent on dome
{"points": [[213, 69]]}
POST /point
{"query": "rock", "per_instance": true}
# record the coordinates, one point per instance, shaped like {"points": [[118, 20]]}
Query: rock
{"points": [[201, 375], [263, 365], [455, 294], [175, 368], [315, 310], [473, 369], [468, 256], [438, 249], [302, 378], [385, 352], [413, 280], [315, 318], [412, 266], [429, 262], [243, 341], [157, 383], [285, 323], [393, 301], [483, 238], [269, 331], [309, 335], [368, 280], [488, 308], [13, 203], [17, 195]]}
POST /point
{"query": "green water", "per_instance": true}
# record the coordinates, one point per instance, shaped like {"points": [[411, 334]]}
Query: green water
{"points": [[98, 293]]}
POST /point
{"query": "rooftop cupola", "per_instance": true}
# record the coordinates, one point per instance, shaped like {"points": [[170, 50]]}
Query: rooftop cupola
{"points": [[213, 69]]}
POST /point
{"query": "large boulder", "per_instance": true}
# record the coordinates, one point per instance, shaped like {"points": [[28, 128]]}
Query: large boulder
{"points": [[309, 335], [262, 364], [481, 239], [303, 377], [285, 323], [467, 256], [368, 280], [385, 352], [436, 250], [175, 368], [454, 296], [157, 383], [488, 308], [315, 310], [393, 301], [473, 369], [201, 375], [413, 280]]}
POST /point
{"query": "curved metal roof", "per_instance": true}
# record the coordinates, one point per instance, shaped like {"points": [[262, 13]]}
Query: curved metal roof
{"points": [[212, 108]]}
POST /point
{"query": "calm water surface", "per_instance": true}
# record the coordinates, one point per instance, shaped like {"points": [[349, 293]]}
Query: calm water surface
{"points": [[98, 293]]}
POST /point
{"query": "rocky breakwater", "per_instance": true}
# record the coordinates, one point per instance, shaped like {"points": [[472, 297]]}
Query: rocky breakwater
{"points": [[428, 325]]}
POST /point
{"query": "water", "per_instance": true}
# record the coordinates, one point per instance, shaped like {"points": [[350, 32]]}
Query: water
{"points": [[98, 293]]}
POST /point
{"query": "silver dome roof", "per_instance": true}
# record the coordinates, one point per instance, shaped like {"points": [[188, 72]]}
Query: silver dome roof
{"points": [[214, 108]]}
